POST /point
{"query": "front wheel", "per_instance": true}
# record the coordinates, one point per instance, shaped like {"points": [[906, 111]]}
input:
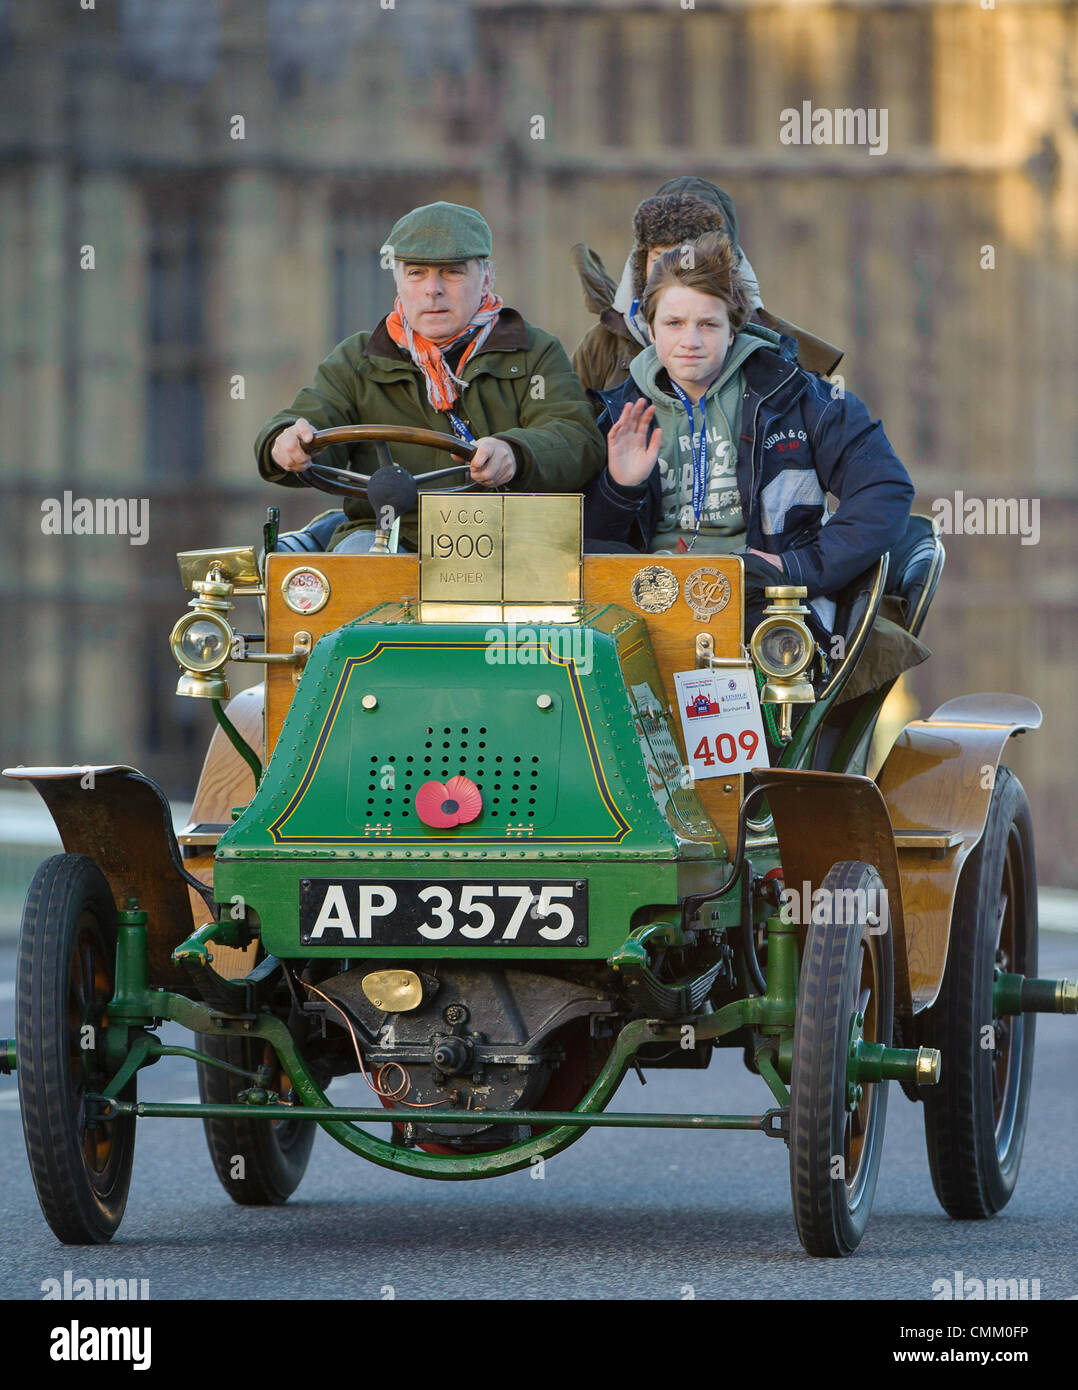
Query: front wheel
{"points": [[81, 1165], [975, 1118], [846, 988], [259, 1162]]}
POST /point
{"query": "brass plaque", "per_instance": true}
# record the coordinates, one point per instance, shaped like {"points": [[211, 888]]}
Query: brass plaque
{"points": [[460, 547], [707, 592], [654, 588], [393, 991], [542, 548]]}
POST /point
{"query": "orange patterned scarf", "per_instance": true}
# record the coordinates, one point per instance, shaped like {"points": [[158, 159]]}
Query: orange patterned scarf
{"points": [[441, 382]]}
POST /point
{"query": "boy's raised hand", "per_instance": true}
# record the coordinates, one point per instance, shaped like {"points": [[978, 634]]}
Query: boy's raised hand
{"points": [[630, 454]]}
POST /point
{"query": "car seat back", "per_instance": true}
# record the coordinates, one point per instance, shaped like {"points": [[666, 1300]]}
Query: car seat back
{"points": [[314, 537]]}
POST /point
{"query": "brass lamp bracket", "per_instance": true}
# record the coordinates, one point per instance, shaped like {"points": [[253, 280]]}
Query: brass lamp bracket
{"points": [[706, 658], [297, 657]]}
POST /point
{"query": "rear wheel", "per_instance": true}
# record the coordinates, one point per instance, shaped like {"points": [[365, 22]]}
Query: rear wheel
{"points": [[81, 1166], [975, 1118], [259, 1162], [836, 1136]]}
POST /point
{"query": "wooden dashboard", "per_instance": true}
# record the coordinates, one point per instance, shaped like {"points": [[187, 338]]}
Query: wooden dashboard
{"points": [[358, 583]]}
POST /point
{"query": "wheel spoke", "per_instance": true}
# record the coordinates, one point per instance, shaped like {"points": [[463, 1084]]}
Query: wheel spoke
{"points": [[76, 981], [89, 973], [1006, 1057], [89, 993], [1004, 903]]}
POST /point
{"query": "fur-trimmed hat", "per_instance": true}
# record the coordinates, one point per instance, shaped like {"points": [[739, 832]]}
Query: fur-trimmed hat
{"points": [[693, 187], [668, 221]]}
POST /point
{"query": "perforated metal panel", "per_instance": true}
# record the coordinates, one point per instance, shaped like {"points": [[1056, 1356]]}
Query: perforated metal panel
{"points": [[516, 775]]}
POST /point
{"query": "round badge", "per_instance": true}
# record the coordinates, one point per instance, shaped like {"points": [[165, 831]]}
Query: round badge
{"points": [[654, 588], [707, 592], [305, 590]]}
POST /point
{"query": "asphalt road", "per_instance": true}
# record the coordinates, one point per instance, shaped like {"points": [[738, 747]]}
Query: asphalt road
{"points": [[620, 1214]]}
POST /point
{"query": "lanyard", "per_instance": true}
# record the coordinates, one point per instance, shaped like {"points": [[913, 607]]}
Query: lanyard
{"points": [[460, 429], [636, 322], [699, 453]]}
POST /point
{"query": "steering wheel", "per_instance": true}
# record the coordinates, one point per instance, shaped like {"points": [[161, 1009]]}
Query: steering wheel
{"points": [[342, 482]]}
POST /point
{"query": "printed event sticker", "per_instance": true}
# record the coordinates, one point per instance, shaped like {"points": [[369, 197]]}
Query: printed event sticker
{"points": [[720, 718]]}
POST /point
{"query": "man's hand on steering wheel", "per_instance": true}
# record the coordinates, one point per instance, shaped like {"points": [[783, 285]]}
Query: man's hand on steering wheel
{"points": [[288, 451], [493, 463], [403, 486]]}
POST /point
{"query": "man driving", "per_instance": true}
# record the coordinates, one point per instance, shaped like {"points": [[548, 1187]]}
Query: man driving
{"points": [[448, 357]]}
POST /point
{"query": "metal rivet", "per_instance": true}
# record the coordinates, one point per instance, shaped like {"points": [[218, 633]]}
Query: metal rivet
{"points": [[544, 701], [369, 702]]}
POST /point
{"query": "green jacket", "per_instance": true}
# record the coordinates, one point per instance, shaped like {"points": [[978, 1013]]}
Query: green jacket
{"points": [[519, 387]]}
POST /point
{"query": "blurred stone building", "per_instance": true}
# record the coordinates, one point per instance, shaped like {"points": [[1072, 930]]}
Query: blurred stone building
{"points": [[230, 169]]}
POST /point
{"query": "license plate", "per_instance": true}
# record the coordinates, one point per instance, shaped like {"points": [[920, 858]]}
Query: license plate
{"points": [[455, 912]]}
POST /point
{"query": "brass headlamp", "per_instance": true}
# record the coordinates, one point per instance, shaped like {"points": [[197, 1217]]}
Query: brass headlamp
{"points": [[202, 640], [783, 648]]}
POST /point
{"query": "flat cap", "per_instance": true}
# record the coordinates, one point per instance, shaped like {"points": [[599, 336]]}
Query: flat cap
{"points": [[439, 234]]}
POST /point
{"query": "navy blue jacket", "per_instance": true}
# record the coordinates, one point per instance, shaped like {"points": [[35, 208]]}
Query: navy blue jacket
{"points": [[797, 443]]}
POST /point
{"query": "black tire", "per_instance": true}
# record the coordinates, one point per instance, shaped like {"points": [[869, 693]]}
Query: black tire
{"points": [[65, 977], [975, 1118], [274, 1153], [846, 969]]}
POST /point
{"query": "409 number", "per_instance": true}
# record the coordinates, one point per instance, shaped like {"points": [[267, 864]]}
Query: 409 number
{"points": [[725, 749]]}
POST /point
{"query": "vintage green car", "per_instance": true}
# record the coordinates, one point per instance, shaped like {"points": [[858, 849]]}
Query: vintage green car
{"points": [[505, 820]]}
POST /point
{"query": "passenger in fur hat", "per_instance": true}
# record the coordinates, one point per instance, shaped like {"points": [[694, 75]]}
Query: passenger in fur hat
{"points": [[683, 208]]}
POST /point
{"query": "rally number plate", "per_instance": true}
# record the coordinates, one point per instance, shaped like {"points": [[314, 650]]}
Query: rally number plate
{"points": [[453, 912]]}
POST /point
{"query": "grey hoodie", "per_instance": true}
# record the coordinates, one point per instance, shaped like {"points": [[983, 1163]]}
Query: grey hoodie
{"points": [[722, 402]]}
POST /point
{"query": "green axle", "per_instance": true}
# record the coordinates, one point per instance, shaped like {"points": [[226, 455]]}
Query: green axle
{"points": [[871, 1061], [769, 1122], [1015, 994]]}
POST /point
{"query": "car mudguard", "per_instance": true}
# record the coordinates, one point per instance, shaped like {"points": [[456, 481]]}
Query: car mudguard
{"points": [[122, 821], [937, 783], [822, 818], [917, 823]]}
